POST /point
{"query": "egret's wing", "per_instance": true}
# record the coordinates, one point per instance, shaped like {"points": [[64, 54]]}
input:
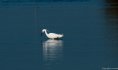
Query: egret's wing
{"points": [[55, 35], [52, 34]]}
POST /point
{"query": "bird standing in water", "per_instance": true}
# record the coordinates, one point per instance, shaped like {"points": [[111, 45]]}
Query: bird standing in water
{"points": [[52, 35]]}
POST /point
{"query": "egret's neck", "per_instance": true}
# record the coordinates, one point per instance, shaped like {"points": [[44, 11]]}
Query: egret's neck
{"points": [[46, 33]]}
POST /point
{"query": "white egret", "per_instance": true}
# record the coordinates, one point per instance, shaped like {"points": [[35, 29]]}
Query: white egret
{"points": [[52, 35]]}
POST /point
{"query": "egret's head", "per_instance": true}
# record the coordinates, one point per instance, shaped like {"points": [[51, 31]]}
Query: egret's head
{"points": [[44, 30]]}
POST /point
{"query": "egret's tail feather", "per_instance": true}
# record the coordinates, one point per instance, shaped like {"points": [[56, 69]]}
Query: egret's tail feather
{"points": [[60, 35]]}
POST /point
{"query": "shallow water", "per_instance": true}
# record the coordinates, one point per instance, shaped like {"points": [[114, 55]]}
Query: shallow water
{"points": [[90, 35]]}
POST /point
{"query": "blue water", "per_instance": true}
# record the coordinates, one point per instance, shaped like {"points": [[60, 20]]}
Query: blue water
{"points": [[90, 35]]}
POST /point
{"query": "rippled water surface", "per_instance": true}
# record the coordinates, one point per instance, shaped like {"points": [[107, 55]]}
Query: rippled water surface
{"points": [[90, 41]]}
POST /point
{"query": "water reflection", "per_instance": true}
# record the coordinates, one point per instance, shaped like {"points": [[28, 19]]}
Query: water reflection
{"points": [[52, 53], [111, 10], [112, 25]]}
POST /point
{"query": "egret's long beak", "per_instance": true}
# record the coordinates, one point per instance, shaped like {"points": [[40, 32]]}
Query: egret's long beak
{"points": [[47, 30], [41, 33]]}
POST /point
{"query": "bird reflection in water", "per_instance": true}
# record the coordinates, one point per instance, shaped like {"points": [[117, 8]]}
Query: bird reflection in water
{"points": [[52, 53]]}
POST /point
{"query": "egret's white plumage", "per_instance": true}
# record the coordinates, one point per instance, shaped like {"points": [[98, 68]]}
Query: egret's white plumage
{"points": [[52, 35]]}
